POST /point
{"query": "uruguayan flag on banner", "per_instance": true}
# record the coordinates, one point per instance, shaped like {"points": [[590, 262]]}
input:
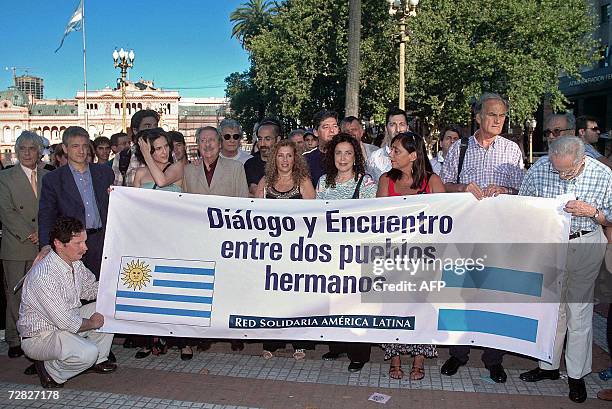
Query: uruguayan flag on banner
{"points": [[165, 291]]}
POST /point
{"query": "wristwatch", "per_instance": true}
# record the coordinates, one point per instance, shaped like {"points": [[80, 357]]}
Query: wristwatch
{"points": [[596, 215]]}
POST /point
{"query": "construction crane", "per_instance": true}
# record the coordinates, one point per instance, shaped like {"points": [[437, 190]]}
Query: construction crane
{"points": [[14, 69]]}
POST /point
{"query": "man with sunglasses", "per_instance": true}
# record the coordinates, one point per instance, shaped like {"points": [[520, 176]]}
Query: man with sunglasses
{"points": [[231, 132], [558, 125], [588, 130], [565, 170]]}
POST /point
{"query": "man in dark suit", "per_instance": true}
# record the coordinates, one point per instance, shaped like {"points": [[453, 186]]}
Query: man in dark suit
{"points": [[79, 190], [19, 192]]}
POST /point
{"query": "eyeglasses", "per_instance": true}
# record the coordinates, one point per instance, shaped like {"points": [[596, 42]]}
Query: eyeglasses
{"points": [[571, 173], [556, 131], [595, 129], [236, 136]]}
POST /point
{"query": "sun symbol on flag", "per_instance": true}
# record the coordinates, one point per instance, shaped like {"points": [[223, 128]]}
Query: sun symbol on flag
{"points": [[136, 274]]}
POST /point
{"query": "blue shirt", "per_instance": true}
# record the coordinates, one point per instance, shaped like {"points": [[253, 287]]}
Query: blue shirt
{"points": [[593, 186], [590, 151], [85, 186]]}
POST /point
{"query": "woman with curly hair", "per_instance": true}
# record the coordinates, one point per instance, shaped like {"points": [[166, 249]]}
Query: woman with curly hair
{"points": [[409, 175], [345, 176], [287, 175]]}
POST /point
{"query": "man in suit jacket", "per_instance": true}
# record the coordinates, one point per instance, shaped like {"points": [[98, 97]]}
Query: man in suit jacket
{"points": [[19, 192], [78, 190], [215, 175]]}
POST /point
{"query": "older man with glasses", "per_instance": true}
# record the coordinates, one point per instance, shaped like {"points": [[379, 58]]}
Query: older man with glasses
{"points": [[231, 132], [558, 125], [567, 170], [214, 175]]}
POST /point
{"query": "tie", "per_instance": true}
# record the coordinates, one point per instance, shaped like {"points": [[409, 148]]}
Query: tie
{"points": [[33, 182]]}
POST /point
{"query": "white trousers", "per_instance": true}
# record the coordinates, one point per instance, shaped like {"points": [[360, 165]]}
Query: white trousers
{"points": [[66, 354], [584, 257]]}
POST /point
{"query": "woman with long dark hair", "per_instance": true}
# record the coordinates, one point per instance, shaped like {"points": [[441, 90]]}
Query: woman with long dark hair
{"points": [[154, 149], [345, 176], [409, 175]]}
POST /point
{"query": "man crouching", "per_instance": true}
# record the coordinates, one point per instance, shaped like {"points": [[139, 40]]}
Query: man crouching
{"points": [[57, 331]]}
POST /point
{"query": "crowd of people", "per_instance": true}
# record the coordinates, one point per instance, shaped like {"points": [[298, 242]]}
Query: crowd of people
{"points": [[54, 221]]}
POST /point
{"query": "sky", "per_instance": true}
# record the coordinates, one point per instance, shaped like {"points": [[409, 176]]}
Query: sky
{"points": [[182, 45]]}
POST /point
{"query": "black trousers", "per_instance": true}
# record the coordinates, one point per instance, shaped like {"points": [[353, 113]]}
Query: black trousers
{"points": [[93, 257], [356, 351], [490, 356]]}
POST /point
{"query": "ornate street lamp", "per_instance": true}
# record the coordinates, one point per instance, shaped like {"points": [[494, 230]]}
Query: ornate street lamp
{"points": [[531, 125], [123, 60], [401, 10]]}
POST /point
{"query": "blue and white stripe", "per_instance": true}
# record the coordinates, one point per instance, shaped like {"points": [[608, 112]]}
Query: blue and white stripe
{"points": [[178, 292]]}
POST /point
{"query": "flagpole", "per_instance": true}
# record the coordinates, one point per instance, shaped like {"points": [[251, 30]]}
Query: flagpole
{"points": [[85, 68]]}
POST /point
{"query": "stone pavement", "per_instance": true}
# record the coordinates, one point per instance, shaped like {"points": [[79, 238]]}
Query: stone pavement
{"points": [[221, 379]]}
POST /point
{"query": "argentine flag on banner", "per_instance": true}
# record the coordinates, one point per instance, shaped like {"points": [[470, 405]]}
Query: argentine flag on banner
{"points": [[165, 291]]}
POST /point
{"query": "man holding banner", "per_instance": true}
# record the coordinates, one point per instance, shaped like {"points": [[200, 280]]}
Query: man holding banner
{"points": [[569, 171], [487, 165], [56, 330]]}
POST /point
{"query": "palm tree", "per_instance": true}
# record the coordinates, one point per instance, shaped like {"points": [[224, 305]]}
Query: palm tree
{"points": [[251, 18]]}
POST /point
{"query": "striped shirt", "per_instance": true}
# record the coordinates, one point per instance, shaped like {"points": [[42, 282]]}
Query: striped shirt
{"points": [[593, 186], [501, 164], [51, 296]]}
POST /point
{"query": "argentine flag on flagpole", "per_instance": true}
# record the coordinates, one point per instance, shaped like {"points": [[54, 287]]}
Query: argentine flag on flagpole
{"points": [[75, 23], [165, 290]]}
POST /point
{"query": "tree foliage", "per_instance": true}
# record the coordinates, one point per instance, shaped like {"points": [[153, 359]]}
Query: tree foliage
{"points": [[247, 104], [250, 19], [456, 50], [518, 48]]}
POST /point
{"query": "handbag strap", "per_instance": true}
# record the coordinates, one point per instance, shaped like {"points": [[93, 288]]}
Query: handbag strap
{"points": [[356, 192]]}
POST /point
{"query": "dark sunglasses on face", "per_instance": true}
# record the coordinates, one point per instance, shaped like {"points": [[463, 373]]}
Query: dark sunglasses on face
{"points": [[595, 129], [236, 136], [556, 132]]}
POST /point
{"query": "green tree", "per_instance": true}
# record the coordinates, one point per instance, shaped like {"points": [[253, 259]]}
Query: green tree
{"points": [[518, 48], [305, 64], [456, 50], [247, 104], [250, 19]]}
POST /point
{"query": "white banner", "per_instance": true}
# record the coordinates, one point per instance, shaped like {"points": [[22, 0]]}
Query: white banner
{"points": [[428, 269]]}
